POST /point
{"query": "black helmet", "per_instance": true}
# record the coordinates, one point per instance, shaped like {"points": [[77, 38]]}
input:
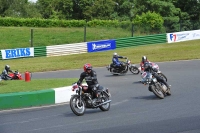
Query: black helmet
{"points": [[144, 59], [146, 65], [7, 67]]}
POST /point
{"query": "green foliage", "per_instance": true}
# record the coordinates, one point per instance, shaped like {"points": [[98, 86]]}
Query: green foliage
{"points": [[34, 22], [149, 21]]}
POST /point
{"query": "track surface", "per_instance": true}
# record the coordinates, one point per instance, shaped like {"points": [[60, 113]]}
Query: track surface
{"points": [[133, 108]]}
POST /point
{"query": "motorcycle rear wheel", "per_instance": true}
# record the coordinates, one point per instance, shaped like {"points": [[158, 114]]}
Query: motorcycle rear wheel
{"points": [[157, 92], [76, 105], [106, 106]]}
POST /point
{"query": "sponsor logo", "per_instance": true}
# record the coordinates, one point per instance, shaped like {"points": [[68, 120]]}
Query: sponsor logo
{"points": [[21, 52], [172, 37], [100, 46]]}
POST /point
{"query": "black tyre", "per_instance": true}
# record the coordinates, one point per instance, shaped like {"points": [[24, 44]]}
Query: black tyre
{"points": [[134, 70], [106, 106], [157, 91], [77, 106], [163, 76], [168, 92]]}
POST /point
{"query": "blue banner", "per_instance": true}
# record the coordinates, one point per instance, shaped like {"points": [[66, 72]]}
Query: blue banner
{"points": [[101, 45], [17, 53]]}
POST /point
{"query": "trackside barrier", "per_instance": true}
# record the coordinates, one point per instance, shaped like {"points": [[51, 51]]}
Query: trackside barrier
{"points": [[66, 49], [35, 98], [27, 99], [40, 51], [183, 36], [141, 40]]}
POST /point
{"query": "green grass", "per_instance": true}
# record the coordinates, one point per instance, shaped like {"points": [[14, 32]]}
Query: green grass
{"points": [[34, 85], [19, 37]]}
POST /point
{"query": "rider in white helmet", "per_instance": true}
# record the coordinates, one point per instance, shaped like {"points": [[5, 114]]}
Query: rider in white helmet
{"points": [[116, 61]]}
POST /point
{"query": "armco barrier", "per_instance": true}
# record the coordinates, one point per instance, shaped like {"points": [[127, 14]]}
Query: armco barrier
{"points": [[66, 49], [141, 40], [27, 99], [40, 51]]}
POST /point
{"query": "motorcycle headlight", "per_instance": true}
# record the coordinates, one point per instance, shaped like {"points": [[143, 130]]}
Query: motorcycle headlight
{"points": [[154, 80]]}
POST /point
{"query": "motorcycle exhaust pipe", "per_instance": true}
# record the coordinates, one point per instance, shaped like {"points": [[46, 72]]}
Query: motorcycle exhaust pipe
{"points": [[103, 103]]}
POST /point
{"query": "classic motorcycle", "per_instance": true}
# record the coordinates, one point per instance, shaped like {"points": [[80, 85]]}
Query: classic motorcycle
{"points": [[154, 65], [158, 88], [125, 66], [16, 75], [86, 99]]}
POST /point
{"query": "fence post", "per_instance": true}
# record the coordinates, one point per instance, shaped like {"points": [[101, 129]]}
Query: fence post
{"points": [[31, 37], [85, 33], [132, 29]]}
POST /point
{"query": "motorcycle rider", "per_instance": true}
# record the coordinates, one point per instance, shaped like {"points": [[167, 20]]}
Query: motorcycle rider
{"points": [[90, 77], [116, 61], [144, 59], [5, 72], [148, 67]]}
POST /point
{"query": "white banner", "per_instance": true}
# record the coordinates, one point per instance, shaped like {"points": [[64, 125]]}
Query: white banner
{"points": [[183, 36], [17, 53]]}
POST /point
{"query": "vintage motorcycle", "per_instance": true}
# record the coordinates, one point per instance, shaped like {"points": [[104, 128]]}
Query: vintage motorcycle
{"points": [[125, 66], [16, 75], [154, 65], [86, 99], [158, 88]]}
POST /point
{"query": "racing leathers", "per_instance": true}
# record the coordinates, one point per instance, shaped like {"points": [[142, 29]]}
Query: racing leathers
{"points": [[5, 75], [142, 65], [91, 80], [116, 61]]}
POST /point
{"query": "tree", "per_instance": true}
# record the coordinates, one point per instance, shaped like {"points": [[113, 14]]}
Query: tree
{"points": [[55, 9]]}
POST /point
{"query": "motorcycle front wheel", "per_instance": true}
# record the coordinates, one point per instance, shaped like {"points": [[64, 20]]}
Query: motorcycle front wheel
{"points": [[157, 91], [168, 92], [77, 106], [134, 69], [106, 106]]}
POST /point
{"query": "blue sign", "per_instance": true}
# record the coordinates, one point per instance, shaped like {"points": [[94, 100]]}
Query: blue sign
{"points": [[17, 53], [101, 45]]}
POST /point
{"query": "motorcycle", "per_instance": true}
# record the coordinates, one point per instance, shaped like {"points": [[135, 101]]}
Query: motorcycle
{"points": [[85, 99], [154, 65], [158, 88], [123, 69], [16, 75]]}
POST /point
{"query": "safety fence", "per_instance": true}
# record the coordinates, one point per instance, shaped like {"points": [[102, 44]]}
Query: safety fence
{"points": [[140, 40], [66, 49], [96, 46], [78, 48]]}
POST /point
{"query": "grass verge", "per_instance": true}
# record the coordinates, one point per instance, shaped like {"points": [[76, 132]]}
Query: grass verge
{"points": [[34, 85]]}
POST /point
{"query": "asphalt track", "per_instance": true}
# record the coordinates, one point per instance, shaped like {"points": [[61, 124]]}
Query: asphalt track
{"points": [[133, 108]]}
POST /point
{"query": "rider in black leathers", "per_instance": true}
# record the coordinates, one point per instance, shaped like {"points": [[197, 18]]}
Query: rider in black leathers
{"points": [[5, 72], [148, 67], [90, 77]]}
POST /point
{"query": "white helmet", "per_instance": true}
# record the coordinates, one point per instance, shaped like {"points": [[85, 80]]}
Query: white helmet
{"points": [[114, 54]]}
